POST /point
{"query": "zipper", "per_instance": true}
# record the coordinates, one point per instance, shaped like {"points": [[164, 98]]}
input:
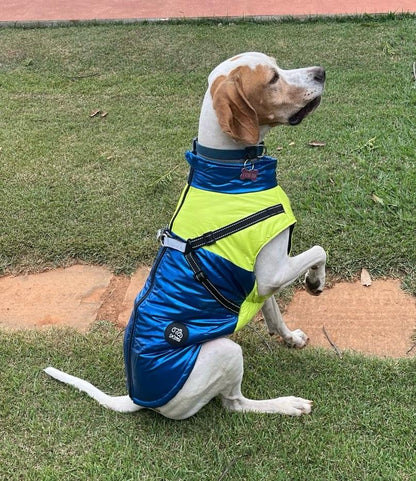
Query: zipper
{"points": [[136, 305], [182, 200]]}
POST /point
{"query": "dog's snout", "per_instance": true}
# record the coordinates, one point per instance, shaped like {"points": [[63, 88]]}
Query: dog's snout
{"points": [[319, 74]]}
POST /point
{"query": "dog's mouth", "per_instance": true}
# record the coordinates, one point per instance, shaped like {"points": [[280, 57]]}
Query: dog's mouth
{"points": [[303, 112]]}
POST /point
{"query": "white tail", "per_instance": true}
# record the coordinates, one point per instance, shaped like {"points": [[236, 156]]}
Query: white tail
{"points": [[121, 404]]}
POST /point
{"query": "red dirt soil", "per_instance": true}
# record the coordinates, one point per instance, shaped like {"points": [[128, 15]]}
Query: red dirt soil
{"points": [[377, 320]]}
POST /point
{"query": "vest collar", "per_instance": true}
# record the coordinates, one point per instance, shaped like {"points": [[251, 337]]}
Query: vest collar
{"points": [[231, 177], [248, 153]]}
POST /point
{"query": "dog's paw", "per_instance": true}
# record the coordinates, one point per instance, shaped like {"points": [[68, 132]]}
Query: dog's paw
{"points": [[293, 406], [297, 339], [315, 281]]}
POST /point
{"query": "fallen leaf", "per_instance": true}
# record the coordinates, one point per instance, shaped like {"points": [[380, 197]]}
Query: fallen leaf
{"points": [[365, 278], [316, 144], [291, 143], [377, 199]]}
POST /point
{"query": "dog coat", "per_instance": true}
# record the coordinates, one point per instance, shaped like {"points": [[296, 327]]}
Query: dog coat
{"points": [[202, 284]]}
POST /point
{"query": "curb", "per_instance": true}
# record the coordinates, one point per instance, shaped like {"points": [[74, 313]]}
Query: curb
{"points": [[208, 20]]}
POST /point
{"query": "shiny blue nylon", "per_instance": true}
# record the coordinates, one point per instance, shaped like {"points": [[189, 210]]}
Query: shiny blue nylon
{"points": [[155, 369], [225, 177]]}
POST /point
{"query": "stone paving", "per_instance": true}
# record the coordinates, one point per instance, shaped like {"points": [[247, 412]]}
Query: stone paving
{"points": [[75, 10]]}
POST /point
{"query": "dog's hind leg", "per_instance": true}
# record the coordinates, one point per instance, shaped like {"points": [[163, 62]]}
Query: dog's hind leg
{"points": [[218, 371], [121, 404], [233, 400], [289, 405]]}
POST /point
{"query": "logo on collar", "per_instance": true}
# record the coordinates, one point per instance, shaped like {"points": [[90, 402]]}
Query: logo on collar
{"points": [[176, 334]]}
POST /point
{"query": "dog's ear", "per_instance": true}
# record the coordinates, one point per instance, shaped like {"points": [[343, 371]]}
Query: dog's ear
{"points": [[236, 115]]}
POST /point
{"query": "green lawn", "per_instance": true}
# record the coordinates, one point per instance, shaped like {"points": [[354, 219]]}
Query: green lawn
{"points": [[97, 189], [361, 428]]}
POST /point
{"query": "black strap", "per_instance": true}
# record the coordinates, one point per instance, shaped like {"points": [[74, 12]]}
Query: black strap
{"points": [[214, 236], [201, 277]]}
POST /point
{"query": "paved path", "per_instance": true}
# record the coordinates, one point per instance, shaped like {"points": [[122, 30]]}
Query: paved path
{"points": [[67, 10]]}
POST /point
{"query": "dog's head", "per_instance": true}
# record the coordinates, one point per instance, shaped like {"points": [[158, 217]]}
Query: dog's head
{"points": [[250, 91]]}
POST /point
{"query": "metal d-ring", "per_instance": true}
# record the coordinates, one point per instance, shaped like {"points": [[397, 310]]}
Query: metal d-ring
{"points": [[246, 163]]}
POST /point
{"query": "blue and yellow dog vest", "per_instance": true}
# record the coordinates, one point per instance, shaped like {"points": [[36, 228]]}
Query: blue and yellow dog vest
{"points": [[202, 285]]}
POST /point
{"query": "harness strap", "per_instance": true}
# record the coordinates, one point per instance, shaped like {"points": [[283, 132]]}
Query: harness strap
{"points": [[200, 276], [171, 242], [188, 248], [218, 234]]}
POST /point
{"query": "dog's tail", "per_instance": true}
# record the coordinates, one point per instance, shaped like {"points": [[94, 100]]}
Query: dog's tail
{"points": [[121, 404]]}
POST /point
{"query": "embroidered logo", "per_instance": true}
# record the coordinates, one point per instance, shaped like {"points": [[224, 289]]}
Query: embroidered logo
{"points": [[176, 334]]}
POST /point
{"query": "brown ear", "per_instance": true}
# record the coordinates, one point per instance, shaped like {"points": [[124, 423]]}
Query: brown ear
{"points": [[236, 116]]}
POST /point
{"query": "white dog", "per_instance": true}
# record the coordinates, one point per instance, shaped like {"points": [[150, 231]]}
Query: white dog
{"points": [[248, 238]]}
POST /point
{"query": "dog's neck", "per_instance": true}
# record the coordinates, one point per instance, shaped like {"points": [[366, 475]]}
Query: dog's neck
{"points": [[210, 133]]}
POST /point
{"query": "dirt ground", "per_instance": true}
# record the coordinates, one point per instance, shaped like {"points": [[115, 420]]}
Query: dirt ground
{"points": [[379, 319]]}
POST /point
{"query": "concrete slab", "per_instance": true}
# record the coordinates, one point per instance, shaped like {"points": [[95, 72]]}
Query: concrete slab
{"points": [[379, 319], [75, 296], [70, 297], [135, 286]]}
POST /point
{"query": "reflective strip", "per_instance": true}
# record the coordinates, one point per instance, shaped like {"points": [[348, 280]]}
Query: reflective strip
{"points": [[214, 236], [173, 243]]}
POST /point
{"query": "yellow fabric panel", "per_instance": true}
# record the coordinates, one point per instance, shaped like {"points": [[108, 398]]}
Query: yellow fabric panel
{"points": [[249, 308], [203, 211]]}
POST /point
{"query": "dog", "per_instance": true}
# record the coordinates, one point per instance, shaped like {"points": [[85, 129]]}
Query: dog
{"points": [[239, 227]]}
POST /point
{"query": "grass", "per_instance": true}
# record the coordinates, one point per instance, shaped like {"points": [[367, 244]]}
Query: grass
{"points": [[361, 426], [97, 189]]}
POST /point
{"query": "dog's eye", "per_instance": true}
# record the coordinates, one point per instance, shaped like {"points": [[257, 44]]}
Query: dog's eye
{"points": [[274, 79]]}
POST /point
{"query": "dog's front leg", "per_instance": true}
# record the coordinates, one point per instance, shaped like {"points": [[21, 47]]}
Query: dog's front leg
{"points": [[312, 262], [315, 278], [276, 270], [276, 325]]}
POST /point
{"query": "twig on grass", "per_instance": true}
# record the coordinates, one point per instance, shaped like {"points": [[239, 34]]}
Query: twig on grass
{"points": [[334, 346], [164, 178], [78, 77], [263, 339], [227, 468], [231, 463], [120, 333]]}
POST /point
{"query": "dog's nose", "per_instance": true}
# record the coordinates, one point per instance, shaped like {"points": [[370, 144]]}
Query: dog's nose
{"points": [[319, 74]]}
